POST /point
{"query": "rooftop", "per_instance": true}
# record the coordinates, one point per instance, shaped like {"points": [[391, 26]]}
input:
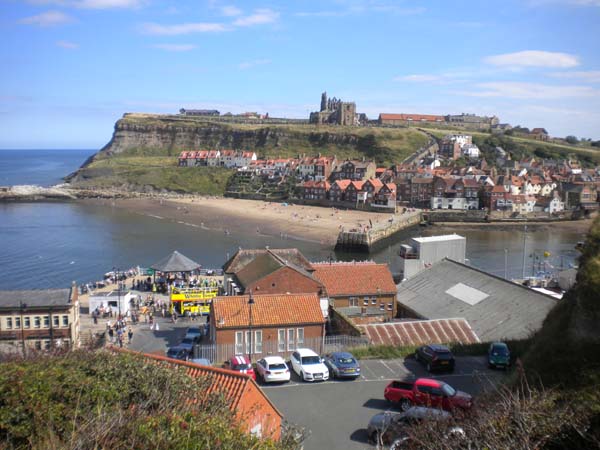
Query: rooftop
{"points": [[445, 237], [267, 310], [365, 278], [420, 332], [38, 298], [495, 308]]}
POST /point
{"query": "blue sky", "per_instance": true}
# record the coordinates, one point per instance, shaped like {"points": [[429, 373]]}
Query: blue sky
{"points": [[71, 68]]}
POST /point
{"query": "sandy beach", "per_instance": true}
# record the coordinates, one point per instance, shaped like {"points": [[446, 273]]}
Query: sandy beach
{"points": [[308, 223]]}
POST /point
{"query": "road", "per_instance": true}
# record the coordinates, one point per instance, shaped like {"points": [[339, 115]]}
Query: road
{"points": [[336, 413]]}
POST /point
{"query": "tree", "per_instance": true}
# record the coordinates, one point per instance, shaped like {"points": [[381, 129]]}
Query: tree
{"points": [[572, 140]]}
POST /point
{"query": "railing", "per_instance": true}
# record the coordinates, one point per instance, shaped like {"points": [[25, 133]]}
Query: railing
{"points": [[219, 353]]}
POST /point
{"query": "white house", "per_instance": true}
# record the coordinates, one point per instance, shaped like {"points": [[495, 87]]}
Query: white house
{"points": [[243, 159], [213, 158], [470, 150], [549, 205], [523, 204]]}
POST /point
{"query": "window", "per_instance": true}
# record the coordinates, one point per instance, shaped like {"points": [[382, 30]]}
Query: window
{"points": [[290, 338], [9, 323], [366, 301], [382, 306], [239, 342], [281, 340], [65, 321], [27, 322], [37, 321], [17, 322], [353, 301], [38, 345], [46, 345], [390, 306], [300, 336], [55, 321], [373, 300], [248, 337], [46, 321], [258, 341]]}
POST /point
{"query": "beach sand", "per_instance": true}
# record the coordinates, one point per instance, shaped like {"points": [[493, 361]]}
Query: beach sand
{"points": [[308, 223]]}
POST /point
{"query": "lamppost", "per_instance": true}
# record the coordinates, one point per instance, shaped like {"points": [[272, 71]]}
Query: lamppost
{"points": [[22, 306], [116, 272], [250, 303], [506, 264]]}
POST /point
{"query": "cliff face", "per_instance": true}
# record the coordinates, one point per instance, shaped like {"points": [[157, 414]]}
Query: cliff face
{"points": [[169, 135]]}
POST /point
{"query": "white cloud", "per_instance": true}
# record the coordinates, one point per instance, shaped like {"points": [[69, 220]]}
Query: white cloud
{"points": [[419, 78], [511, 89], [533, 58], [355, 7], [258, 17], [47, 19], [231, 11], [93, 4], [175, 47], [109, 4], [68, 45], [254, 63], [182, 28], [591, 76]]}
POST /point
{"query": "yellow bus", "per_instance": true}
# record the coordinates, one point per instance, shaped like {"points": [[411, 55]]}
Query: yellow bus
{"points": [[194, 300]]}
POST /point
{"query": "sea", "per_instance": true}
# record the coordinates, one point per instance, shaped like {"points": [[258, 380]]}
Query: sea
{"points": [[50, 245]]}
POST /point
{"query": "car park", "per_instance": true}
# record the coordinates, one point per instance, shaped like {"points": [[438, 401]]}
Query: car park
{"points": [[272, 369], [435, 357], [240, 364], [308, 365], [390, 428], [498, 355], [426, 392], [178, 352], [342, 365]]}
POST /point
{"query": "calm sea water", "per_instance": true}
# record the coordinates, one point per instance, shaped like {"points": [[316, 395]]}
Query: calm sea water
{"points": [[41, 167], [47, 245]]}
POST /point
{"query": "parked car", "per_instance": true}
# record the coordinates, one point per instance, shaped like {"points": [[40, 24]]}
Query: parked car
{"points": [[188, 342], [240, 364], [498, 355], [426, 392], [195, 338], [390, 428], [435, 357], [342, 365], [308, 365], [195, 331], [272, 369], [178, 352], [201, 361]]}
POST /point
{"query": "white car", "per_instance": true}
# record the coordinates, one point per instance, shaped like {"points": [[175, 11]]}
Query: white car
{"points": [[308, 365], [272, 369]]}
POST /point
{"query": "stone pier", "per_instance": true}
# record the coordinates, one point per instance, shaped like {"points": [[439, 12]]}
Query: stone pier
{"points": [[364, 240]]}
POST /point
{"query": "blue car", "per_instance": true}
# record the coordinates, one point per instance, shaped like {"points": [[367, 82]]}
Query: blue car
{"points": [[342, 365], [498, 355]]}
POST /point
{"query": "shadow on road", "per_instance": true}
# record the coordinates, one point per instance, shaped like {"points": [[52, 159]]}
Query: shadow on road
{"points": [[377, 403], [360, 435]]}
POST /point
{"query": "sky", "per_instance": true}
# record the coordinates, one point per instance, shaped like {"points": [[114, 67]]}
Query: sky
{"points": [[71, 68]]}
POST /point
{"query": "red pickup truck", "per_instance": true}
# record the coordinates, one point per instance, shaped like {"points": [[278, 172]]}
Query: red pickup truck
{"points": [[426, 392]]}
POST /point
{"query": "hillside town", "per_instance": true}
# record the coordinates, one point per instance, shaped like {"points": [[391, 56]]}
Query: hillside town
{"points": [[507, 188]]}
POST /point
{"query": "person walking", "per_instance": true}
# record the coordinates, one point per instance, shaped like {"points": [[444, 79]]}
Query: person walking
{"points": [[129, 335], [111, 335]]}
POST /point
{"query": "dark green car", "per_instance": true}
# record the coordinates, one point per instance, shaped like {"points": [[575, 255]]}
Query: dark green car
{"points": [[499, 355]]}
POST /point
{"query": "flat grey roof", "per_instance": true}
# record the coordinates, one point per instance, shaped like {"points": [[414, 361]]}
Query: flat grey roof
{"points": [[37, 298], [445, 237], [509, 310]]}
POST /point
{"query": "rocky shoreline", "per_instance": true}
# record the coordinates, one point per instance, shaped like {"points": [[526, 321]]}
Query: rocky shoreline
{"points": [[33, 193]]}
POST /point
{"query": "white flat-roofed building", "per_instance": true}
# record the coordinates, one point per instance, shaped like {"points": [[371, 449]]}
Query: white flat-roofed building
{"points": [[422, 252]]}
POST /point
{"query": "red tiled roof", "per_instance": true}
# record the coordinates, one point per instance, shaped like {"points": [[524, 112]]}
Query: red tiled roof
{"points": [[391, 186], [358, 185], [229, 383], [364, 278], [499, 188], [420, 332], [412, 117], [343, 184], [268, 310]]}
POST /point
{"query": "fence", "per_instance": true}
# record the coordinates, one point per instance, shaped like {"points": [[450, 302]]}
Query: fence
{"points": [[218, 353]]}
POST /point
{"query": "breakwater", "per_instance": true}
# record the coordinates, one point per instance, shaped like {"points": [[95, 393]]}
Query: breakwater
{"points": [[363, 240]]}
